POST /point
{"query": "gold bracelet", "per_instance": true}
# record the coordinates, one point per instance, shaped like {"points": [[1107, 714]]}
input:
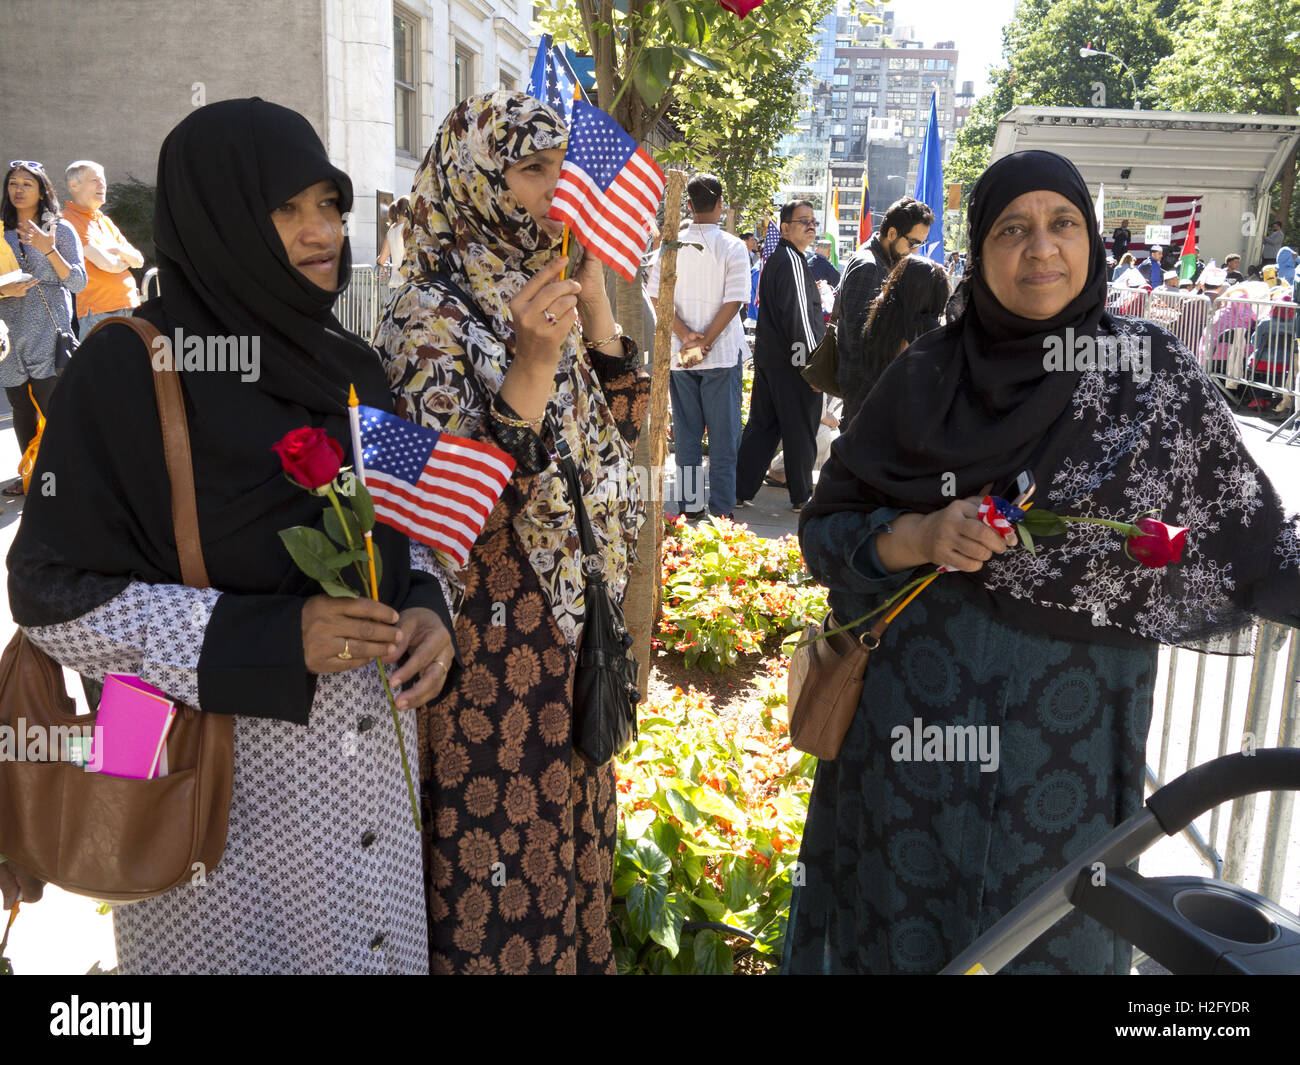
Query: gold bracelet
{"points": [[518, 423], [617, 335]]}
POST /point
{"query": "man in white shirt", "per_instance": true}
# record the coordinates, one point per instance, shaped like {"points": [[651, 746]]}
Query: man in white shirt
{"points": [[708, 348]]}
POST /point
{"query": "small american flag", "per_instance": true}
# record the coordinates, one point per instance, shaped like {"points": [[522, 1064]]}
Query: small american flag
{"points": [[608, 191], [771, 239], [435, 487], [989, 514]]}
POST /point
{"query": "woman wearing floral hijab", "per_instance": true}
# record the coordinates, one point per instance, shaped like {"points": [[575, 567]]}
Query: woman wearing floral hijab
{"points": [[519, 830]]}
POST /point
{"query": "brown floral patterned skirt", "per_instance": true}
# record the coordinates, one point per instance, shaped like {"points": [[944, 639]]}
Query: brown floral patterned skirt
{"points": [[519, 832]]}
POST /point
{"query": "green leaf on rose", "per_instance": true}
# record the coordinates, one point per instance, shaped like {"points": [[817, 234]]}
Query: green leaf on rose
{"points": [[312, 551], [363, 505], [1026, 539], [1042, 523], [338, 590], [336, 530]]}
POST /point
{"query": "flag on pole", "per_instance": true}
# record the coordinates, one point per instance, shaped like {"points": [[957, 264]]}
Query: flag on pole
{"points": [[1099, 209], [864, 215], [553, 79], [929, 185], [834, 227], [1187, 261], [435, 487], [770, 239], [608, 191]]}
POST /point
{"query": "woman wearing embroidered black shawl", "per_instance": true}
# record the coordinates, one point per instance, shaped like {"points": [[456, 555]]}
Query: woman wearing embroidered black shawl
{"points": [[908, 860], [322, 865]]}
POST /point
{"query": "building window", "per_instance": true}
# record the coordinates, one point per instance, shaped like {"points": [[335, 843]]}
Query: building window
{"points": [[837, 147], [837, 130], [464, 86], [841, 79], [406, 34], [509, 81], [861, 96]]}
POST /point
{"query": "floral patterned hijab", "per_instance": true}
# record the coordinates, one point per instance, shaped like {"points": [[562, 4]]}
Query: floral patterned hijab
{"points": [[467, 221], [469, 225]]}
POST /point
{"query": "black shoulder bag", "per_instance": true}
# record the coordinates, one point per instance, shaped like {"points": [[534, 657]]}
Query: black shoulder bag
{"points": [[605, 697], [604, 683], [64, 342]]}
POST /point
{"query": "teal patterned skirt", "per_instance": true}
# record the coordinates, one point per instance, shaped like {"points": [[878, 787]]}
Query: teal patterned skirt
{"points": [[906, 861]]}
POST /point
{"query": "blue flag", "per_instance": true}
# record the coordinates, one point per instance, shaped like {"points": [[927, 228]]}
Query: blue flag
{"points": [[929, 185], [553, 78]]}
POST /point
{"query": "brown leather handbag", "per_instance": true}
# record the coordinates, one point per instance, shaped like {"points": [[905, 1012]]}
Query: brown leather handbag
{"points": [[99, 835], [824, 685]]}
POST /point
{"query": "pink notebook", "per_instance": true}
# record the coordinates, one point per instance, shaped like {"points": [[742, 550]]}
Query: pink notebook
{"points": [[131, 729]]}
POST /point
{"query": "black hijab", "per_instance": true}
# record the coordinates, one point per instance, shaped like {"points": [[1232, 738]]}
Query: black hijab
{"points": [[972, 399], [224, 272], [974, 403]]}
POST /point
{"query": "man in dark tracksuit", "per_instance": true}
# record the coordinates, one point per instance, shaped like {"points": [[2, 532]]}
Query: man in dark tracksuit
{"points": [[784, 409]]}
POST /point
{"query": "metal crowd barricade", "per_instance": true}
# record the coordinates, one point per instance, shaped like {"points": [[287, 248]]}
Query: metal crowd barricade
{"points": [[1210, 709], [1248, 346], [361, 303]]}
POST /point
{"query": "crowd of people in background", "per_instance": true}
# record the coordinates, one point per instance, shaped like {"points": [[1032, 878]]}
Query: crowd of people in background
{"points": [[69, 268]]}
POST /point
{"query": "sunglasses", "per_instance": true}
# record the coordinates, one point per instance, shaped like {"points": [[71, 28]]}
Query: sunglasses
{"points": [[913, 243], [810, 223], [27, 164]]}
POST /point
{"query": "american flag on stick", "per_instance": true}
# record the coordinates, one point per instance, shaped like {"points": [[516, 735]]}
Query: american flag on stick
{"points": [[435, 487], [608, 191]]}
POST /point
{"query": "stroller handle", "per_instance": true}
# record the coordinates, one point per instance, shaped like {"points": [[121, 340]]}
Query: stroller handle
{"points": [[1183, 800]]}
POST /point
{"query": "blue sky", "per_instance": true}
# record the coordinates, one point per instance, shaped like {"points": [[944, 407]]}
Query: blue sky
{"points": [[976, 26]]}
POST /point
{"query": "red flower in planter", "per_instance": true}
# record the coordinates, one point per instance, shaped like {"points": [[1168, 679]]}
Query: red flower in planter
{"points": [[1158, 545]]}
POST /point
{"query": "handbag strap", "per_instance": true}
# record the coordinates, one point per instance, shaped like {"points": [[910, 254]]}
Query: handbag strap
{"points": [[55, 321], [176, 449], [573, 485]]}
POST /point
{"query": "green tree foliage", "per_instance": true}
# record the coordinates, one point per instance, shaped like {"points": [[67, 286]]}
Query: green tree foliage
{"points": [[1239, 56], [1043, 68], [731, 121]]}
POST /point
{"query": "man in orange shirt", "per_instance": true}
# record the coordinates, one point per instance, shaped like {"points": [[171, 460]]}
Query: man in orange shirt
{"points": [[110, 286]]}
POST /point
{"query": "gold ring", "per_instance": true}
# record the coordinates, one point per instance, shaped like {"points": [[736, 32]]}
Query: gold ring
{"points": [[550, 318], [441, 666], [345, 654]]}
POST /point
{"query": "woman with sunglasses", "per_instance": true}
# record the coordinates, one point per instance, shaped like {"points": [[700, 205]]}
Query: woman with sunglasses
{"points": [[47, 248]]}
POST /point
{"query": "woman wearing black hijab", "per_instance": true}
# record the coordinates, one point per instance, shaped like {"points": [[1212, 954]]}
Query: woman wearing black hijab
{"points": [[322, 865], [910, 858]]}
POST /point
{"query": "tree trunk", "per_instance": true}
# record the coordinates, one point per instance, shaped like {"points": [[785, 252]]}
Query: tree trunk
{"points": [[641, 603]]}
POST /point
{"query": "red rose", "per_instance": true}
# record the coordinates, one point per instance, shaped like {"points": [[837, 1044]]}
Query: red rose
{"points": [[1159, 543], [741, 7], [309, 456]]}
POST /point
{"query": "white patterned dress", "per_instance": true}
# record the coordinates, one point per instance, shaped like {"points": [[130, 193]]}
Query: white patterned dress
{"points": [[322, 870]]}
